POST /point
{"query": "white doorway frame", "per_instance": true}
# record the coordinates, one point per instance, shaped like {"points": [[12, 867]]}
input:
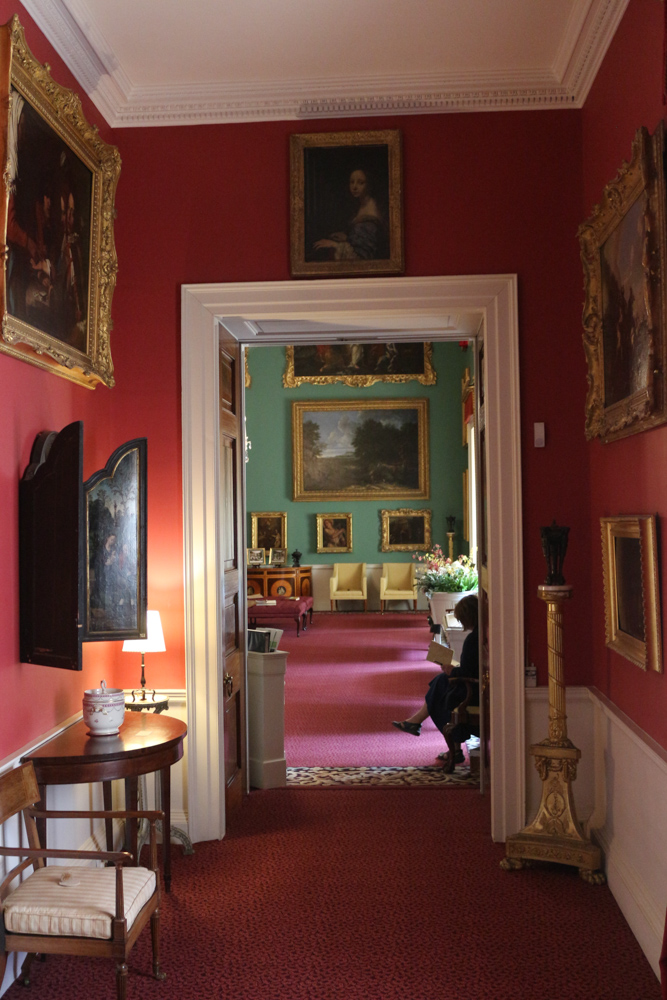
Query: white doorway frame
{"points": [[419, 307]]}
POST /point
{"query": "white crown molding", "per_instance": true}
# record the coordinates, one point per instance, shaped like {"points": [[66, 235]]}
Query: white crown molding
{"points": [[123, 104]]}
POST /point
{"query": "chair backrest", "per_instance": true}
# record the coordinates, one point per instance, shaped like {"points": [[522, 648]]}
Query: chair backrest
{"points": [[18, 791], [350, 575], [400, 576]]}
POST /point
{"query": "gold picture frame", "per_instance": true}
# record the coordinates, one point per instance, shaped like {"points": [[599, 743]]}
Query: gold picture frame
{"points": [[405, 530], [277, 557], [623, 256], [334, 532], [631, 588], [358, 365], [56, 222], [333, 459], [268, 529], [255, 556], [346, 215]]}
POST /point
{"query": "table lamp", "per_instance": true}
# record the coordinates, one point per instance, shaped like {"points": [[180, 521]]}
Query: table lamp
{"points": [[153, 643]]}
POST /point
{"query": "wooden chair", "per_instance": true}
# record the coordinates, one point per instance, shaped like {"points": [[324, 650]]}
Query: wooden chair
{"points": [[464, 722], [397, 583], [348, 583], [80, 910]]}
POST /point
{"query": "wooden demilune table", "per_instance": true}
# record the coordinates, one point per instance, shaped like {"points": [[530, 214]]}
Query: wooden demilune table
{"points": [[146, 743]]}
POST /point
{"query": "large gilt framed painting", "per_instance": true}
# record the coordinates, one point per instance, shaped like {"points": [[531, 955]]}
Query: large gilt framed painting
{"points": [[346, 204], [359, 365], [56, 222], [360, 450], [115, 564], [632, 589], [623, 255]]}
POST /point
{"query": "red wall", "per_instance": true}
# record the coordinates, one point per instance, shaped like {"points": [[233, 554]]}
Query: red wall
{"points": [[484, 193], [628, 476]]}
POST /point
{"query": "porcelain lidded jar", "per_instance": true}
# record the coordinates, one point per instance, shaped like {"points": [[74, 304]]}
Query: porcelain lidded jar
{"points": [[103, 710]]}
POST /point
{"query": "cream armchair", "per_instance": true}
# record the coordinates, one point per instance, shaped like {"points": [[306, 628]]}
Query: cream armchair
{"points": [[397, 583], [348, 583]]}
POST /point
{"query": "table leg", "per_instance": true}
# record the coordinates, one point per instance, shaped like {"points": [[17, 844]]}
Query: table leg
{"points": [[298, 624], [108, 823], [41, 823], [131, 800], [165, 787]]}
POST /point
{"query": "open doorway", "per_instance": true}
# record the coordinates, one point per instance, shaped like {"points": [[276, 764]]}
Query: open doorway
{"points": [[417, 307], [349, 677]]}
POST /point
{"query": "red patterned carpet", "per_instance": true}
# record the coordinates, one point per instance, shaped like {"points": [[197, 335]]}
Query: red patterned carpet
{"points": [[363, 894], [347, 677]]}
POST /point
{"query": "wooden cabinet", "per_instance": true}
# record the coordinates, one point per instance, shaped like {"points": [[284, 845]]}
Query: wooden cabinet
{"points": [[280, 581]]}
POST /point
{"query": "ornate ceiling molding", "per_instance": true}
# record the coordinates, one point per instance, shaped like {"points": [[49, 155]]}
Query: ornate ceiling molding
{"points": [[122, 104]]}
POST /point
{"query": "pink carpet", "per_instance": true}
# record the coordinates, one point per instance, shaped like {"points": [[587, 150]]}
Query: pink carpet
{"points": [[347, 677]]}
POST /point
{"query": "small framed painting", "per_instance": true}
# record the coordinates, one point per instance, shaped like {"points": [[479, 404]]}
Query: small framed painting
{"points": [[346, 204], [334, 532], [277, 557], [255, 557], [631, 588], [405, 530], [269, 529]]}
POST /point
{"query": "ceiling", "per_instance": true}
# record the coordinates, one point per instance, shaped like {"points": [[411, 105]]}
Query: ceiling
{"points": [[145, 62]]}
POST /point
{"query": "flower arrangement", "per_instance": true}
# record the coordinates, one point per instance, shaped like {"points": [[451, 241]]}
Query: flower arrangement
{"points": [[443, 575]]}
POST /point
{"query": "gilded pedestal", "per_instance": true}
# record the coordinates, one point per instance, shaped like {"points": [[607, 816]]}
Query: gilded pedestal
{"points": [[555, 834]]}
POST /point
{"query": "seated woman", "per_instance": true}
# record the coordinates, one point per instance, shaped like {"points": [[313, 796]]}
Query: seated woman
{"points": [[444, 691]]}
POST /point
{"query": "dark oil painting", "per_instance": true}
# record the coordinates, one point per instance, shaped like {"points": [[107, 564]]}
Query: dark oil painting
{"points": [[625, 320], [359, 359], [116, 546], [346, 202], [48, 229], [407, 529], [629, 586]]}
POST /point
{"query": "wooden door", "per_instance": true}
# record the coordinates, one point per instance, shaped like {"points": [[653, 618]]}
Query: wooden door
{"points": [[232, 563]]}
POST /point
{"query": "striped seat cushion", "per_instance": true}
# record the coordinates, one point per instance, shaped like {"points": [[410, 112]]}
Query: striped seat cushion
{"points": [[40, 905]]}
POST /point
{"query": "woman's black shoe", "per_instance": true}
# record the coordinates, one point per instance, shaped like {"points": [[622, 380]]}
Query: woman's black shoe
{"points": [[414, 728]]}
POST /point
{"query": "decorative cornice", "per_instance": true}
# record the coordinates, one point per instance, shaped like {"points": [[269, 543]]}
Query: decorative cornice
{"points": [[124, 105]]}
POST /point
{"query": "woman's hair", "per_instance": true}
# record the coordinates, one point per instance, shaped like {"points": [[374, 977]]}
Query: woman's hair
{"points": [[466, 611]]}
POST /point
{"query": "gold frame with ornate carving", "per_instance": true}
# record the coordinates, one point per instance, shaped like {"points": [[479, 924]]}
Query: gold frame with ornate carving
{"points": [[386, 544], [26, 84], [280, 518], [255, 556], [426, 377], [368, 479], [320, 166], [321, 519], [623, 255], [630, 576]]}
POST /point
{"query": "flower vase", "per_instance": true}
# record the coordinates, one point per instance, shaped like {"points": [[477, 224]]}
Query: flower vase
{"points": [[441, 602]]}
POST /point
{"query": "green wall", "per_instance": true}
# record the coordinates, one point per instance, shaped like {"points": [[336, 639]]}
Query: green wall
{"points": [[269, 469]]}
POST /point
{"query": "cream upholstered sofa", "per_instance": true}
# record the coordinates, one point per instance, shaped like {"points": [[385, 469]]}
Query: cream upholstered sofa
{"points": [[348, 583], [397, 583]]}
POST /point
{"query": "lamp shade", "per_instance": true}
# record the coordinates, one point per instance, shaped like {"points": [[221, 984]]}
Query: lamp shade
{"points": [[154, 641]]}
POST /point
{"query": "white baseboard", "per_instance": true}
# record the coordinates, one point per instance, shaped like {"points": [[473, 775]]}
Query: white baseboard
{"points": [[621, 799]]}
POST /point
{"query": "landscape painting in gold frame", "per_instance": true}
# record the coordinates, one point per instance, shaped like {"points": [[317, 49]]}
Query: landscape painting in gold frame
{"points": [[358, 365], [334, 532], [623, 255], [346, 215], [56, 222], [631, 588], [405, 530], [360, 449]]}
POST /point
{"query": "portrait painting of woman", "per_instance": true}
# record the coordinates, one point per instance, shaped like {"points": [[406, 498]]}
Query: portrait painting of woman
{"points": [[346, 213]]}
